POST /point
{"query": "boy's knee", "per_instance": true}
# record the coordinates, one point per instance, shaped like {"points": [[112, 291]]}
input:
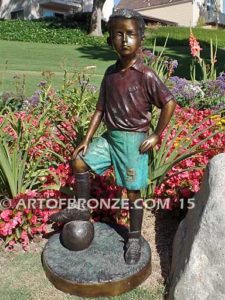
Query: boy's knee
{"points": [[133, 194], [79, 166]]}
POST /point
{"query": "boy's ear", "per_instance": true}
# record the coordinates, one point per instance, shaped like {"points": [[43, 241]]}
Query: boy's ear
{"points": [[142, 37], [142, 41], [109, 42]]}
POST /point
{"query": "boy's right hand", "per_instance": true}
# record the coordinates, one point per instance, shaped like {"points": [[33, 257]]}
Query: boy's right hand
{"points": [[93, 126], [82, 146]]}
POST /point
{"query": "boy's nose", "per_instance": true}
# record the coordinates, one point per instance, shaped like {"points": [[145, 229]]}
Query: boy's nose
{"points": [[124, 38]]}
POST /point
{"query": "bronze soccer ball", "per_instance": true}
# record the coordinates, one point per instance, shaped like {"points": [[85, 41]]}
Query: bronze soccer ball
{"points": [[77, 235]]}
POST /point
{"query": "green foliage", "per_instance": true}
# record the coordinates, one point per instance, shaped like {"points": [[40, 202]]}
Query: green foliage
{"points": [[161, 64], [13, 99], [77, 98], [208, 70], [10, 100], [80, 97], [158, 62], [42, 117], [42, 31], [18, 171], [47, 31]]}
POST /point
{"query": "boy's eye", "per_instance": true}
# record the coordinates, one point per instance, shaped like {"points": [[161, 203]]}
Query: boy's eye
{"points": [[131, 33], [120, 34]]}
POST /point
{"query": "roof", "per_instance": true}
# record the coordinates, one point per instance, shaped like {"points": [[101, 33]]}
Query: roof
{"points": [[153, 20], [143, 4]]}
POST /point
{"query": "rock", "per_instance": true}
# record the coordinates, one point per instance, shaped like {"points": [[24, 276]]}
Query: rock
{"points": [[198, 263]]}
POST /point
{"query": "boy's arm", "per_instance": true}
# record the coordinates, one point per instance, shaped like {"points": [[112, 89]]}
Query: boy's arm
{"points": [[164, 118], [93, 126]]}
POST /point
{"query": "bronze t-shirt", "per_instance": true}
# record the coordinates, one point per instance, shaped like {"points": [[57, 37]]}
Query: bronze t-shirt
{"points": [[126, 97]]}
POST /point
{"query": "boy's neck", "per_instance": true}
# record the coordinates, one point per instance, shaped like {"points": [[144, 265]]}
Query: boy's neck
{"points": [[127, 62]]}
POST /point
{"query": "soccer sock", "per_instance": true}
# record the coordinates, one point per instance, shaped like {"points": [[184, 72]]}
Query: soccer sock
{"points": [[82, 188], [136, 218]]}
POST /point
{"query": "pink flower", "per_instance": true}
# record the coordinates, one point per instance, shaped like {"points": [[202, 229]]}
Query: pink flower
{"points": [[33, 219], [6, 214], [194, 46], [5, 229]]}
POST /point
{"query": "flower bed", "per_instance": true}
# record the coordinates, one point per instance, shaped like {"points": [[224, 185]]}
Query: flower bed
{"points": [[204, 134]]}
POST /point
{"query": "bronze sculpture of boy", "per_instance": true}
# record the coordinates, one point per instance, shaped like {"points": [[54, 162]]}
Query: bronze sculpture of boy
{"points": [[128, 91]]}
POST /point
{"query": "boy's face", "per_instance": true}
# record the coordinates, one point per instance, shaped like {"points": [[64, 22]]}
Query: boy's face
{"points": [[125, 37]]}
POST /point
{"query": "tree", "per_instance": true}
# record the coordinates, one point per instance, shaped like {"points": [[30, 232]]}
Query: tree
{"points": [[217, 11], [96, 18]]}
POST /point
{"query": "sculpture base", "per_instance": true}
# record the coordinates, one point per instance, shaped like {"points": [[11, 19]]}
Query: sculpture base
{"points": [[99, 270]]}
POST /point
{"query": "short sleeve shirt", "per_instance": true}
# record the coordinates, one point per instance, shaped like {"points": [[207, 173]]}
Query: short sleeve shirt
{"points": [[126, 97]]}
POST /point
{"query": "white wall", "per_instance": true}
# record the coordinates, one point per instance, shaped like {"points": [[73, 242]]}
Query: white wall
{"points": [[106, 11], [87, 5], [223, 6], [197, 10], [8, 6], [180, 13], [30, 8]]}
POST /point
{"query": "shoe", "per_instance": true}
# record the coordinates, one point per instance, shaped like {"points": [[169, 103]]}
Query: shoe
{"points": [[71, 214], [133, 251]]}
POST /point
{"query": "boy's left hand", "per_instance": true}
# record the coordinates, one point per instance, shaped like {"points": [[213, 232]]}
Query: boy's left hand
{"points": [[149, 143]]}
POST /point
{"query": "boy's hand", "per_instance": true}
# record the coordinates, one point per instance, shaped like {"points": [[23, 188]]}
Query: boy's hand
{"points": [[82, 146], [149, 143]]}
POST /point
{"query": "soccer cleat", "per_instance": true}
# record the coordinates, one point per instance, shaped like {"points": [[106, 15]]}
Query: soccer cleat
{"points": [[71, 214], [78, 212], [133, 251]]}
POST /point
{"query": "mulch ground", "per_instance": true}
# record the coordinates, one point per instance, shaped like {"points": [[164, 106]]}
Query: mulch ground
{"points": [[159, 229]]}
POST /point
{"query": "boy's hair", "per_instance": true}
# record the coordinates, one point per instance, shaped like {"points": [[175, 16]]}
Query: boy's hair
{"points": [[125, 13]]}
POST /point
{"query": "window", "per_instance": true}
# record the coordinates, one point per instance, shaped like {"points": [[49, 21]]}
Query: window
{"points": [[60, 16], [48, 13], [18, 14], [51, 13]]}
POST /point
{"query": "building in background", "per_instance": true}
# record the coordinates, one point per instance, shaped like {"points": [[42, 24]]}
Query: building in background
{"points": [[34, 9], [182, 12]]}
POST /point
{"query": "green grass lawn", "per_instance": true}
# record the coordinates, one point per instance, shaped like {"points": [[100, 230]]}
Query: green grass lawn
{"points": [[25, 61], [22, 278], [31, 59], [179, 35]]}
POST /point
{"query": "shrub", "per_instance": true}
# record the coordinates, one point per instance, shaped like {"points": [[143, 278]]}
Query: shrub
{"points": [[46, 31]]}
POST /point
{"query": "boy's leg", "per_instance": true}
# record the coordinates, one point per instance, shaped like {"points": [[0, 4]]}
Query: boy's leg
{"points": [[98, 159], [82, 191], [133, 246]]}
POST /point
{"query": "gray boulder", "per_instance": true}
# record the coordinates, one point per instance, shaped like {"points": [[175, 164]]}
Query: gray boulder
{"points": [[198, 263]]}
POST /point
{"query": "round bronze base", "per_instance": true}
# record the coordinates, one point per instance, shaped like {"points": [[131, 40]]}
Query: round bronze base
{"points": [[99, 270]]}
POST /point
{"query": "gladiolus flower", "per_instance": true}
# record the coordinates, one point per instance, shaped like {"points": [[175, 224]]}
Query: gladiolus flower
{"points": [[194, 46]]}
